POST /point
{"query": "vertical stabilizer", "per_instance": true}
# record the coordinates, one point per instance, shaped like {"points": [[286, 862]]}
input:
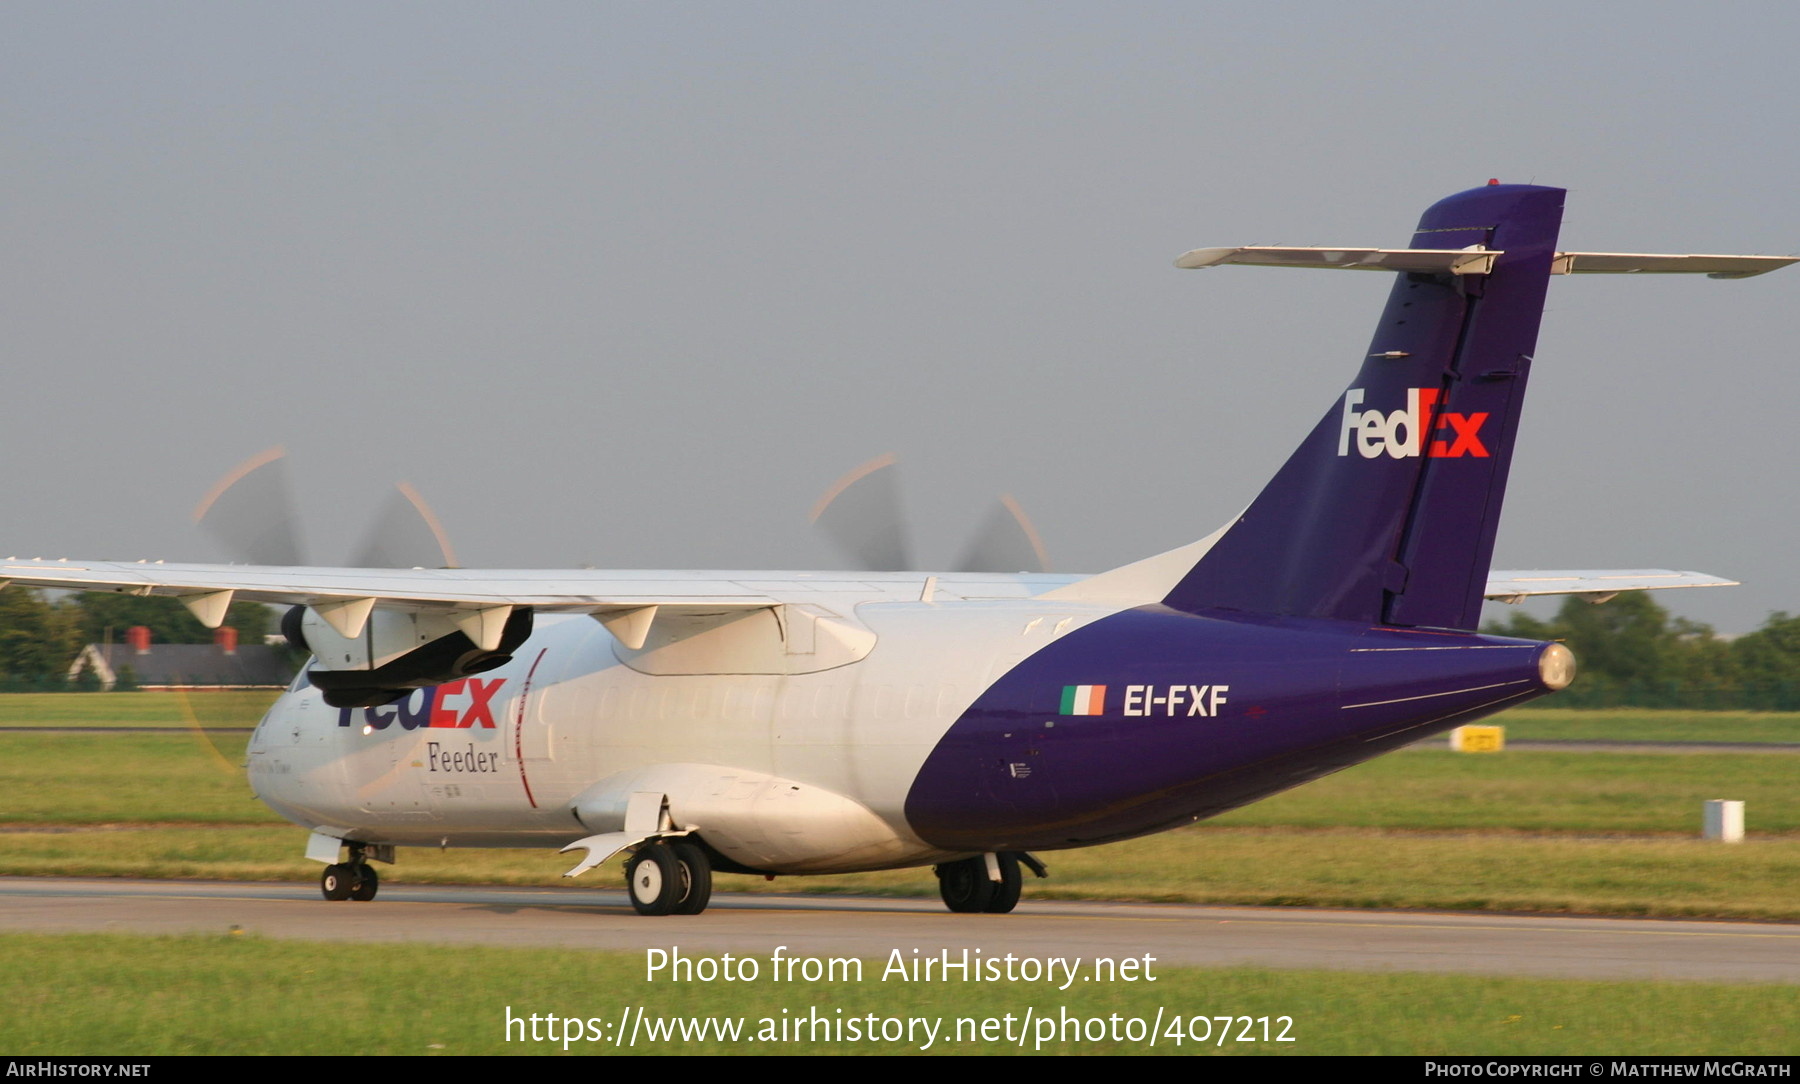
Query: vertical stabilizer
{"points": [[1387, 512]]}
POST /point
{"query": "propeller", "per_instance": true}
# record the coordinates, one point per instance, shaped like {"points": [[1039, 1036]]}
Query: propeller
{"points": [[861, 513], [405, 531], [251, 513], [1005, 542]]}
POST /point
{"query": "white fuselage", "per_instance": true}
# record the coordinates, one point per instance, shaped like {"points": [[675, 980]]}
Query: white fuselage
{"points": [[801, 763]]}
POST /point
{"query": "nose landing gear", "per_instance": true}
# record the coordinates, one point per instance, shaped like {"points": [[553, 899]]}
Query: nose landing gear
{"points": [[352, 880]]}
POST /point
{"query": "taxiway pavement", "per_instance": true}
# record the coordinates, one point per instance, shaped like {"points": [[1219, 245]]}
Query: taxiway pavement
{"points": [[871, 928]]}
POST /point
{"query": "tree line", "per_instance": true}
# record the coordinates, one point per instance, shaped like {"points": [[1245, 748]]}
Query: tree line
{"points": [[40, 637], [1630, 653]]}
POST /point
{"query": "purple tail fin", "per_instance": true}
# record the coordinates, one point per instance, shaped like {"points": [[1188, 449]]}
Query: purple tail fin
{"points": [[1387, 512]]}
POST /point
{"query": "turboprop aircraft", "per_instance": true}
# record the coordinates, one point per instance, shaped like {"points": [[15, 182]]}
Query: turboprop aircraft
{"points": [[777, 723]]}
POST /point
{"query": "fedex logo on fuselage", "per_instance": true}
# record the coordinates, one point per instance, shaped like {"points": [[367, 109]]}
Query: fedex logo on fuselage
{"points": [[1417, 429], [452, 705]]}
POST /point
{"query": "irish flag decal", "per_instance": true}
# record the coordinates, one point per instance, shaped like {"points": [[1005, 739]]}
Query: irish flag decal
{"points": [[1084, 699]]}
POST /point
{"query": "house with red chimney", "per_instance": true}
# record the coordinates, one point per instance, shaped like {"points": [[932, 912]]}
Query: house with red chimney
{"points": [[222, 664]]}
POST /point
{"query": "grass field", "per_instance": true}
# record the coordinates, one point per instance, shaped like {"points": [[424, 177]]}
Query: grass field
{"points": [[246, 995], [173, 778], [185, 777], [223, 708], [1645, 724]]}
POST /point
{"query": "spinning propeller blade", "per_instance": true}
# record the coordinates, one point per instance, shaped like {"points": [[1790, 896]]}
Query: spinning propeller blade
{"points": [[252, 514], [861, 512]]}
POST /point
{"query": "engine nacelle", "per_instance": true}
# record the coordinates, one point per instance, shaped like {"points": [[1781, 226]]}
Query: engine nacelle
{"points": [[397, 652]]}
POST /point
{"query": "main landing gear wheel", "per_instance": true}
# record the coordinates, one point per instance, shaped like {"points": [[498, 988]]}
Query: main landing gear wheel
{"points": [[696, 878], [655, 880], [669, 879], [363, 882], [1006, 891], [967, 889], [336, 881], [964, 885]]}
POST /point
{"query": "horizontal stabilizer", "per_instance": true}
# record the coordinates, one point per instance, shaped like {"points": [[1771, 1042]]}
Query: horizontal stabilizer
{"points": [[1431, 261], [1145, 581], [1649, 263], [1479, 261], [1518, 586]]}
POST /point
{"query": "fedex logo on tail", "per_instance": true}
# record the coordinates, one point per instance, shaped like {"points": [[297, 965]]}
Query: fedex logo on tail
{"points": [[1417, 429]]}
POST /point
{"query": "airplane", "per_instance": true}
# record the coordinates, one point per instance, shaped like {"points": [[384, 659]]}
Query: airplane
{"points": [[826, 722]]}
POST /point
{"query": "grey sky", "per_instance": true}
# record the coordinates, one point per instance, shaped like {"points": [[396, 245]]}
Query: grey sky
{"points": [[630, 284]]}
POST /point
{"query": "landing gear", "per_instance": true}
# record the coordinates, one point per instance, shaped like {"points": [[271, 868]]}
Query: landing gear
{"points": [[1006, 889], [335, 881], [965, 885], [696, 876], [968, 887], [352, 880], [669, 879], [654, 878]]}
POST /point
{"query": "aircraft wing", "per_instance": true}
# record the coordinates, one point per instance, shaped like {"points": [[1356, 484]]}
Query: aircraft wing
{"points": [[1602, 584], [478, 600], [549, 589]]}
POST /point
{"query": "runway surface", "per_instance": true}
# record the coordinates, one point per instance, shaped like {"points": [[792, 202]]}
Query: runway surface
{"points": [[870, 928]]}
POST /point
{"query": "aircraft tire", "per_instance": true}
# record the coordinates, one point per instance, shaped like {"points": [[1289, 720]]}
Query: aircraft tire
{"points": [[964, 886], [363, 882], [335, 882], [696, 879], [654, 879], [1006, 892]]}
